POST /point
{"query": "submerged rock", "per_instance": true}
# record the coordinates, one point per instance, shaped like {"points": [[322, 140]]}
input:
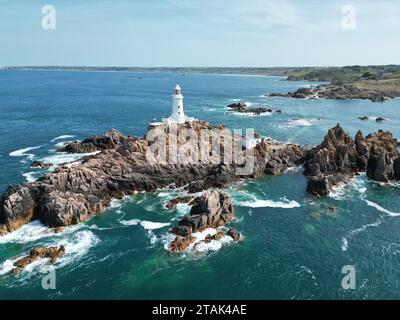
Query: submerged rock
{"points": [[51, 252], [41, 165]]}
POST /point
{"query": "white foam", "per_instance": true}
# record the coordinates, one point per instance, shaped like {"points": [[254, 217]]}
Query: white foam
{"points": [[60, 158], [381, 209], [30, 176], [32, 231], [62, 144], [199, 246], [214, 245], [77, 245], [302, 122], [362, 190], [133, 222], [147, 225], [6, 266], [285, 204], [345, 243], [23, 152], [183, 208], [62, 137]]}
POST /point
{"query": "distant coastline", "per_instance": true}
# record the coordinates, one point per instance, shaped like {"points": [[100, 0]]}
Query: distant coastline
{"points": [[234, 71], [376, 82]]}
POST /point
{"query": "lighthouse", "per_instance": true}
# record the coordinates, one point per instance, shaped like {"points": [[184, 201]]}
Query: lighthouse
{"points": [[177, 105], [178, 115]]}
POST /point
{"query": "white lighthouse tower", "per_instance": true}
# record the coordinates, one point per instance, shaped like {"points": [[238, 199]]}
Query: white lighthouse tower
{"points": [[177, 105], [178, 115]]}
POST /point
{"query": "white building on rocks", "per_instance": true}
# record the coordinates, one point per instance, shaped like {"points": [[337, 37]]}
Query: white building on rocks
{"points": [[178, 115]]}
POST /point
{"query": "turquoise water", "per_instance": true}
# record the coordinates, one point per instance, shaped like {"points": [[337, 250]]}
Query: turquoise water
{"points": [[292, 247]]}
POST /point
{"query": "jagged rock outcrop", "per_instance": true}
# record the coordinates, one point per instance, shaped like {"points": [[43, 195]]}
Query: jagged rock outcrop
{"points": [[174, 202], [338, 158], [71, 194], [40, 164], [233, 233], [109, 140], [241, 107], [211, 210], [51, 252]]}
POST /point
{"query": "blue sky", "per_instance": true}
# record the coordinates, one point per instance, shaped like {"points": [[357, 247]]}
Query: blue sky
{"points": [[199, 33]]}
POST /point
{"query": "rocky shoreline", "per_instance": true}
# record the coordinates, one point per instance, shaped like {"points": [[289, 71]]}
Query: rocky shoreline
{"points": [[375, 91], [72, 194]]}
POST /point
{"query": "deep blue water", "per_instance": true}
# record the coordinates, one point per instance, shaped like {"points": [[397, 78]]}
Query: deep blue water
{"points": [[292, 248]]}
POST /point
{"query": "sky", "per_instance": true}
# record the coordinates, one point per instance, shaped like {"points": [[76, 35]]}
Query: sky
{"points": [[200, 33]]}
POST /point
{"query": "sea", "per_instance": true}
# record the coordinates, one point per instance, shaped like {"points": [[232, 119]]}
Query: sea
{"points": [[292, 247]]}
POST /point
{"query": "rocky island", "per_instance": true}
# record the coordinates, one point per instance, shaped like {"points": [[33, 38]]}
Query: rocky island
{"points": [[338, 158], [72, 194], [241, 107]]}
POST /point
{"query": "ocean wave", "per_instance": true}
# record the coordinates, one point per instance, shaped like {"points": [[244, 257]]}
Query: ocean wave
{"points": [[147, 225], [30, 176], [352, 233], [257, 203], [62, 144], [29, 232], [345, 244], [62, 137], [61, 158], [24, 152], [183, 208], [345, 190], [302, 122], [76, 246], [150, 225], [381, 209]]}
